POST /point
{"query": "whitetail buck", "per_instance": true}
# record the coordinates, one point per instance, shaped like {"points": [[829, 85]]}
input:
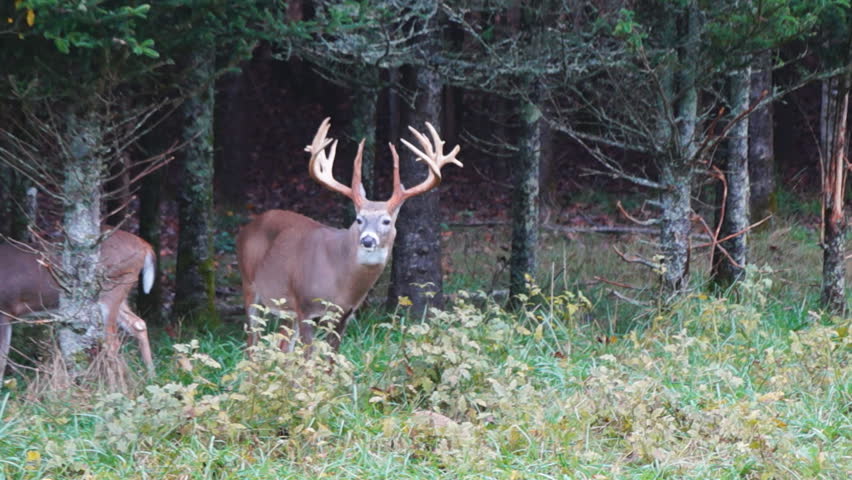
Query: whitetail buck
{"points": [[27, 286], [285, 255]]}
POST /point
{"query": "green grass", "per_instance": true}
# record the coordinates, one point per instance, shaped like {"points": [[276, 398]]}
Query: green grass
{"points": [[755, 384]]}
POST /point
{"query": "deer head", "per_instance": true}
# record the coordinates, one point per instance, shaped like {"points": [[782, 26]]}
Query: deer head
{"points": [[375, 221]]}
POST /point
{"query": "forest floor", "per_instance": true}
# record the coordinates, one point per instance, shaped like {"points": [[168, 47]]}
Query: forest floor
{"points": [[752, 383]]}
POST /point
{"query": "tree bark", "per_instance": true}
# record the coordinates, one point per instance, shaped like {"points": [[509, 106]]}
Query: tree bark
{"points": [[363, 126], [676, 171], [735, 216], [834, 147], [195, 274], [761, 144], [155, 142], [416, 269], [525, 198], [80, 320], [675, 225]]}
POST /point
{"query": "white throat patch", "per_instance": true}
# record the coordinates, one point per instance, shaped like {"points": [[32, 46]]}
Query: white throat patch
{"points": [[376, 256]]}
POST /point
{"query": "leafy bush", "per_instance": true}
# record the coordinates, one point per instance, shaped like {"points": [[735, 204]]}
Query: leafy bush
{"points": [[291, 395]]}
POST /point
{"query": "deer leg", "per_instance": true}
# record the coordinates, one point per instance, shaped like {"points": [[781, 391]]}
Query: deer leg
{"points": [[251, 299], [302, 329], [109, 312], [111, 301], [136, 327], [336, 335], [306, 333], [5, 342]]}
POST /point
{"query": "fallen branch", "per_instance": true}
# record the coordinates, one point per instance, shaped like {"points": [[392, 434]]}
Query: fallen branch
{"points": [[637, 259], [611, 229], [735, 234], [651, 221], [632, 301], [614, 283], [715, 244]]}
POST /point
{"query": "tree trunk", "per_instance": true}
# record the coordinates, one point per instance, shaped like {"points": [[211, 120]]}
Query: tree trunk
{"points": [[363, 126], [416, 269], [522, 261], [155, 142], [675, 226], [761, 144], [833, 145], [81, 324], [548, 177], [736, 218], [676, 171], [195, 274]]}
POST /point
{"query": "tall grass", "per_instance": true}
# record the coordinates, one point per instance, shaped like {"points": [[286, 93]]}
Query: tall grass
{"points": [[754, 383]]}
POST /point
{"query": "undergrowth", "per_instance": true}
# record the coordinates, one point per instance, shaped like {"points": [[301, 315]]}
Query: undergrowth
{"points": [[734, 387]]}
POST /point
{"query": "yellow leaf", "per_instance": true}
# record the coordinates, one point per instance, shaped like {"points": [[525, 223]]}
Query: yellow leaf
{"points": [[33, 456], [30, 17], [539, 332], [10, 20], [404, 302]]}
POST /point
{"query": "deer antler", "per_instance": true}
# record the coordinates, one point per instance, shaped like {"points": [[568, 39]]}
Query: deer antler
{"points": [[432, 154], [321, 165]]}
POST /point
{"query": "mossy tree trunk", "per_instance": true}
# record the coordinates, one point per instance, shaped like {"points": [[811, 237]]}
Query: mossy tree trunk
{"points": [[81, 326], [727, 269], [416, 269], [525, 197], [195, 274], [676, 171], [761, 140], [834, 147]]}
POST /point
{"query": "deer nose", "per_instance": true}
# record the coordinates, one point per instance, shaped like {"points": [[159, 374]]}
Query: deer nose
{"points": [[368, 241]]}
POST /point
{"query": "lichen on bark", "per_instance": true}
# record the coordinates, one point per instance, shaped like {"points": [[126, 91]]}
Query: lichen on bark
{"points": [[525, 200], [729, 265], [81, 325]]}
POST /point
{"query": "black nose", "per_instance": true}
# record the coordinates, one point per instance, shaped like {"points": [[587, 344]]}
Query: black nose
{"points": [[368, 242]]}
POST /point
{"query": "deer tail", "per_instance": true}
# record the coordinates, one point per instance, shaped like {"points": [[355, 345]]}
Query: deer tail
{"points": [[148, 271]]}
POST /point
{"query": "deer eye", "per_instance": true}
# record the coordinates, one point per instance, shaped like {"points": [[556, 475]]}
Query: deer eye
{"points": [[360, 221], [386, 221]]}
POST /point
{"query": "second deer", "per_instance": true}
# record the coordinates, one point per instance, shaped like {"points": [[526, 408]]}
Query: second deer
{"points": [[285, 255], [27, 286]]}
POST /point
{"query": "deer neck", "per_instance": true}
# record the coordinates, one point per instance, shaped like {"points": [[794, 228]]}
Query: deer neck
{"points": [[357, 277]]}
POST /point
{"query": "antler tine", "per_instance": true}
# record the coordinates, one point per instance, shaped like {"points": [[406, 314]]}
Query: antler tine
{"points": [[357, 198], [434, 157], [439, 144], [321, 166], [398, 194]]}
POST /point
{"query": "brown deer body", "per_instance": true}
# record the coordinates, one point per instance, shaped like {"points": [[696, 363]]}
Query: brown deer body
{"points": [[27, 286], [285, 255]]}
